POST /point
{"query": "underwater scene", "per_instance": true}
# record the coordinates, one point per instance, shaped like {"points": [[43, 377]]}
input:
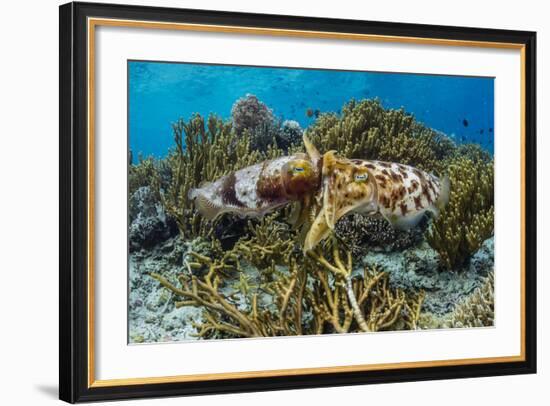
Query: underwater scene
{"points": [[267, 201]]}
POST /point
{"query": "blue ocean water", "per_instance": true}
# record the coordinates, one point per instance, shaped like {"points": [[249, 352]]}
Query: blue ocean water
{"points": [[160, 93]]}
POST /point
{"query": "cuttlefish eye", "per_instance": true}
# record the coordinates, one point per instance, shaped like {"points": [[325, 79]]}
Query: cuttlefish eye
{"points": [[361, 177], [298, 168], [299, 177]]}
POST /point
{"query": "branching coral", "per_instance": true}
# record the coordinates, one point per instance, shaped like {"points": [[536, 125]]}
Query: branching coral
{"points": [[478, 309], [468, 219], [368, 299], [143, 173], [475, 310], [269, 242], [223, 314], [365, 130], [305, 297]]}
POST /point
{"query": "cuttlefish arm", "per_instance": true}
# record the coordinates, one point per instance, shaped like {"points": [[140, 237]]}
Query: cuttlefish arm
{"points": [[347, 187], [301, 209]]}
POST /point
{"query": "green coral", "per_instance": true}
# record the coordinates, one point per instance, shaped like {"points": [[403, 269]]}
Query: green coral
{"points": [[365, 130], [143, 173], [468, 218]]}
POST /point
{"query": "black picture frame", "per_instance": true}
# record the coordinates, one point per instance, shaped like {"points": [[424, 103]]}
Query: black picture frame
{"points": [[73, 284]]}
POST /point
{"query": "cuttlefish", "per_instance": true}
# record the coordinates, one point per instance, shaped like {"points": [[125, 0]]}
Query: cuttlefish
{"points": [[257, 190], [399, 193], [333, 186]]}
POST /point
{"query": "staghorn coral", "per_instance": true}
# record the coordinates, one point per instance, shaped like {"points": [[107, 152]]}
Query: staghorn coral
{"points": [[365, 130], [468, 218], [368, 300], [270, 241], [224, 315], [304, 297]]}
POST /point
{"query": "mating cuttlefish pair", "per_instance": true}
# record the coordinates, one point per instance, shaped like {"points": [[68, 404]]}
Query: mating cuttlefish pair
{"points": [[325, 188]]}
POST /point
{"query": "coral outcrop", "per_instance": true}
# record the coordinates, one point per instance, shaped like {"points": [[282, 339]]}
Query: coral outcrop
{"points": [[290, 134], [252, 117], [468, 218], [365, 130], [149, 223], [367, 233]]}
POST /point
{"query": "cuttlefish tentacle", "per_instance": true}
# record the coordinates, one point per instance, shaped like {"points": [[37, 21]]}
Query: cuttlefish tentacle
{"points": [[302, 209]]}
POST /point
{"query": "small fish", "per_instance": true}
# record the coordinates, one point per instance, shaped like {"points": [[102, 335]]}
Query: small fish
{"points": [[465, 123], [259, 189], [399, 193], [309, 112], [316, 113]]}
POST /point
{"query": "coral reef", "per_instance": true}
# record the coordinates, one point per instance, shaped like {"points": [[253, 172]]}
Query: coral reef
{"points": [[468, 218], [366, 233], [474, 310], [417, 267], [149, 223], [303, 297], [365, 130], [290, 134], [235, 277], [478, 310], [251, 116]]}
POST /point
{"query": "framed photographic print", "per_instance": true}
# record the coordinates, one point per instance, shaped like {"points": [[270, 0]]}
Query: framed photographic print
{"points": [[255, 202]]}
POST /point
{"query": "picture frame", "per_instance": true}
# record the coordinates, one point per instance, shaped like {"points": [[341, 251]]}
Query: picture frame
{"points": [[80, 163]]}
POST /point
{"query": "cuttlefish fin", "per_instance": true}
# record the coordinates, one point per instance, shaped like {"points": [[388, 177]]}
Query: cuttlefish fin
{"points": [[318, 231], [206, 207], [405, 222], [444, 194]]}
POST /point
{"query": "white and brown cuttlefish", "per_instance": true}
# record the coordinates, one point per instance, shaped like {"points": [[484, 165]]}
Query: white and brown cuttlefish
{"points": [[262, 188], [336, 186]]}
